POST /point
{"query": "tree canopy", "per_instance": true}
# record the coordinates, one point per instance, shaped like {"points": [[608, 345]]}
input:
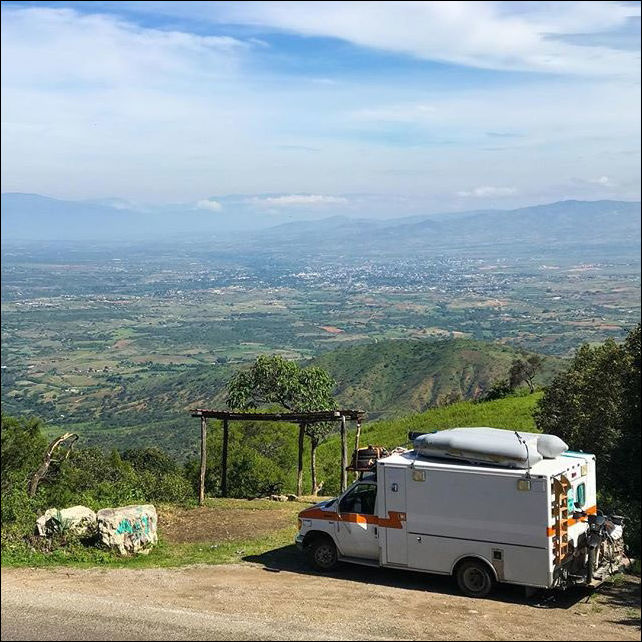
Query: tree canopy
{"points": [[595, 407], [275, 380]]}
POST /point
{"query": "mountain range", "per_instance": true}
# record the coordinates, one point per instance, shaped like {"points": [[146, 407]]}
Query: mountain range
{"points": [[561, 224]]}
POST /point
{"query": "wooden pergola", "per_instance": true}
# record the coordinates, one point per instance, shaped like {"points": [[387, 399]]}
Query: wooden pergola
{"points": [[300, 418]]}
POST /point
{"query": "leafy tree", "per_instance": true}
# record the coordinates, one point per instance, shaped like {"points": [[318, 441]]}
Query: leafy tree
{"points": [[150, 459], [595, 407], [21, 451], [524, 371], [275, 380]]}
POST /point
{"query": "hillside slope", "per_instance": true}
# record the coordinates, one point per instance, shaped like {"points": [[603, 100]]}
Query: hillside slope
{"points": [[386, 379], [402, 376], [513, 413]]}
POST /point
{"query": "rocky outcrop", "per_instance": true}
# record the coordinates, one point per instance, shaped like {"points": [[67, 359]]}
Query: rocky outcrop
{"points": [[129, 530], [78, 520]]}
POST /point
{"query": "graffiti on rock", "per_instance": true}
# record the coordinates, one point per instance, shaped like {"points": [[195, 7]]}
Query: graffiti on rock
{"points": [[135, 527]]}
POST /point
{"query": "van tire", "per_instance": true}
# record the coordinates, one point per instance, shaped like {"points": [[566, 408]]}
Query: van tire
{"points": [[322, 554], [474, 578]]}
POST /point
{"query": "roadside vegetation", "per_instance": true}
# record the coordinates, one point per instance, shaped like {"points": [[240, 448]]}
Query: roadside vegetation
{"points": [[594, 406]]}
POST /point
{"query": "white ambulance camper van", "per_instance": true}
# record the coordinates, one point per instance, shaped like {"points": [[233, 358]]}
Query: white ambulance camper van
{"points": [[468, 504]]}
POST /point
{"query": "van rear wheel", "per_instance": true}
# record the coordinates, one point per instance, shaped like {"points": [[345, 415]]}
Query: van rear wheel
{"points": [[322, 554], [474, 578]]}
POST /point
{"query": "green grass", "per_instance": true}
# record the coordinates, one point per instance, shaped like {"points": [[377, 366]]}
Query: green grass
{"points": [[163, 555], [166, 553]]}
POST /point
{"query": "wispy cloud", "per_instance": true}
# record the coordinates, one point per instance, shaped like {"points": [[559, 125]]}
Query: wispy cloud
{"points": [[488, 191], [492, 35]]}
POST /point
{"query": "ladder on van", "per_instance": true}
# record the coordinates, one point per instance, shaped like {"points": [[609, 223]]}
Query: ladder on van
{"points": [[559, 508]]}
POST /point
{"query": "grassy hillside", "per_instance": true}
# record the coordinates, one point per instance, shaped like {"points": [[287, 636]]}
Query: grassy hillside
{"points": [[391, 378], [514, 413]]}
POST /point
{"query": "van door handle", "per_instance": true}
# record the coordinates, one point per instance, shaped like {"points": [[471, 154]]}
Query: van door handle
{"points": [[395, 487], [419, 539]]}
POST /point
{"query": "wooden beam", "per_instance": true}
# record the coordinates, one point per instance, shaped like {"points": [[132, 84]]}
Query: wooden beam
{"points": [[224, 461], [299, 479], [292, 417], [344, 454], [201, 486]]}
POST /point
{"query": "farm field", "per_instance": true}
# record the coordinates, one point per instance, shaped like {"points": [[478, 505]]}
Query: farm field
{"points": [[117, 341]]}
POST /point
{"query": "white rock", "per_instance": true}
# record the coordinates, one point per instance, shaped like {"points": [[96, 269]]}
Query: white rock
{"points": [[129, 530], [79, 520]]}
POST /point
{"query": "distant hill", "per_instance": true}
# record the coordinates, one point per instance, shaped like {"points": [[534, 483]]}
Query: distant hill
{"points": [[32, 217], [555, 226], [558, 225], [401, 376]]}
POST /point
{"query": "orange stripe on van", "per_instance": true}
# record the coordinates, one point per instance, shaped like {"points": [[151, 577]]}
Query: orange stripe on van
{"points": [[550, 531], [394, 519]]}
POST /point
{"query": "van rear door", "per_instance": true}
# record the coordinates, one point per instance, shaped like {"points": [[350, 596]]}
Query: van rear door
{"points": [[394, 524]]}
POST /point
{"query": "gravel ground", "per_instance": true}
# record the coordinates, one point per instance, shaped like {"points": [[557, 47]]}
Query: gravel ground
{"points": [[252, 601]]}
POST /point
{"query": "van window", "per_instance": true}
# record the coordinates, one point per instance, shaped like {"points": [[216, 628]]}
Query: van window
{"points": [[570, 500], [580, 495], [360, 499]]}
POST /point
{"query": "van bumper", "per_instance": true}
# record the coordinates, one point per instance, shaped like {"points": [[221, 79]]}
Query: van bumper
{"points": [[298, 540]]}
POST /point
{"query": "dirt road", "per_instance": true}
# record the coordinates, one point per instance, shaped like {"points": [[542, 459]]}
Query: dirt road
{"points": [[252, 601]]}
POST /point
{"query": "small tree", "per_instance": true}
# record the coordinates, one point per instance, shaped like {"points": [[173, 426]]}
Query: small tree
{"points": [[274, 380], [524, 371]]}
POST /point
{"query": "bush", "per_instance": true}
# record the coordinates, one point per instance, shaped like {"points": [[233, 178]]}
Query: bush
{"points": [[88, 476], [498, 390]]}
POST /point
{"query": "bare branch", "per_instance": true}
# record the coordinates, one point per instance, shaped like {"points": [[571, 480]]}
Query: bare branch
{"points": [[41, 473]]}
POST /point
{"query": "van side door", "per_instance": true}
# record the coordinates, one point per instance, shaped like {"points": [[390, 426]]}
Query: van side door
{"points": [[394, 526]]}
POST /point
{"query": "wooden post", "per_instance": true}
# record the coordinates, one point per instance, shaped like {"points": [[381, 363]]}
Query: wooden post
{"points": [[356, 444], [201, 487], [299, 481], [313, 466], [224, 462], [344, 455]]}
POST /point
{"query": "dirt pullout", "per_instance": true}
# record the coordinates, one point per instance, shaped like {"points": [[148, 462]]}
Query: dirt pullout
{"points": [[250, 601], [205, 524]]}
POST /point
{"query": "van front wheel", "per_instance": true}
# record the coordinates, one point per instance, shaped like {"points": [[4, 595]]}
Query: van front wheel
{"points": [[474, 578], [322, 554]]}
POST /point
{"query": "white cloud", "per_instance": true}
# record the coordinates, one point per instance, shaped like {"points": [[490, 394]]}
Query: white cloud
{"points": [[123, 53], [488, 191], [298, 200], [605, 181], [491, 35], [209, 205]]}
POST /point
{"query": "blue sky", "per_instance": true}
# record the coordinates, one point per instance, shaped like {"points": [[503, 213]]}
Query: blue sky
{"points": [[382, 109]]}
